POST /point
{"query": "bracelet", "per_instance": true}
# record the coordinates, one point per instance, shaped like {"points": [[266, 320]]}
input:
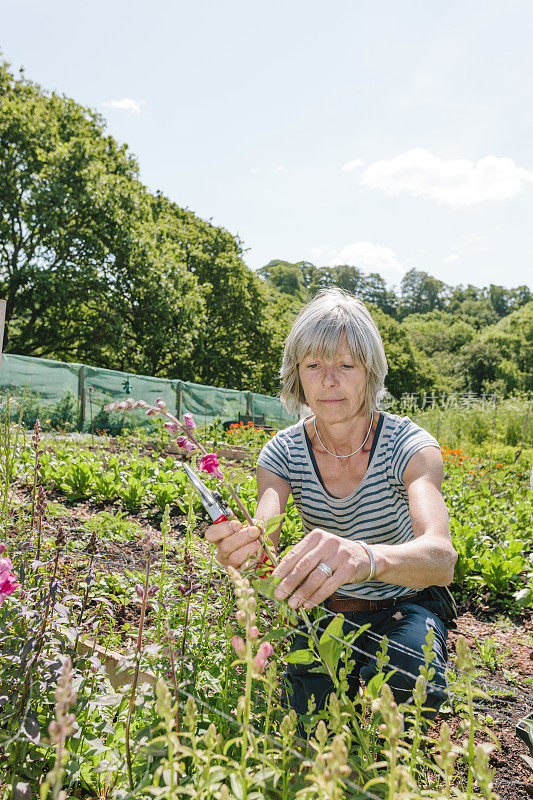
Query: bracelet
{"points": [[369, 553]]}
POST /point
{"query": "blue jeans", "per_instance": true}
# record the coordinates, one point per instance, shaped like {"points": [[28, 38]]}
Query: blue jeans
{"points": [[405, 624]]}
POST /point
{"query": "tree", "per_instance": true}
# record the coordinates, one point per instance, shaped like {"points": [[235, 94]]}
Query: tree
{"points": [[286, 277], [501, 356], [409, 370], [420, 292]]}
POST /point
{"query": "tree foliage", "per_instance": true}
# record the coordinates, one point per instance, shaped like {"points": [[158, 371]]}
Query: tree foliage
{"points": [[96, 268]]}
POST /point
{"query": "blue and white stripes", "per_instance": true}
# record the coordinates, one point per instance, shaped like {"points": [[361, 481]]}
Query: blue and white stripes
{"points": [[376, 512]]}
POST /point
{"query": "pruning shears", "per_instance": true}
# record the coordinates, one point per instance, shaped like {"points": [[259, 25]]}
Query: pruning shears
{"points": [[213, 502]]}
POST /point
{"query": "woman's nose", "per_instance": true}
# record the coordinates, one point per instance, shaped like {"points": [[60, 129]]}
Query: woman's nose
{"points": [[330, 377]]}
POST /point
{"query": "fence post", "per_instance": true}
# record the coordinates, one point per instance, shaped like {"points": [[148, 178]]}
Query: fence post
{"points": [[81, 394], [248, 396], [178, 401], [2, 323]]}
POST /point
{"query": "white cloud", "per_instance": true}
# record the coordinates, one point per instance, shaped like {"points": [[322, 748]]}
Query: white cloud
{"points": [[350, 165], [317, 252], [267, 170], [450, 258], [371, 257], [126, 104], [456, 181]]}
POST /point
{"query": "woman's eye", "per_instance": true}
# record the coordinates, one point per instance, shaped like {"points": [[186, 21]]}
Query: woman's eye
{"points": [[312, 366], [347, 366]]}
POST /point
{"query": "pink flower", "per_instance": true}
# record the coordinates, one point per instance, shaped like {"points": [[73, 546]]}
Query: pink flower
{"points": [[8, 581], [170, 426], [264, 652], [161, 403], [238, 646], [2, 548], [209, 463], [188, 421], [182, 441]]}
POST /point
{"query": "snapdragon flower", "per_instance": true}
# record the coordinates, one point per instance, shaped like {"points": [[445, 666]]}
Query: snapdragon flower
{"points": [[8, 580], [209, 463], [185, 443]]}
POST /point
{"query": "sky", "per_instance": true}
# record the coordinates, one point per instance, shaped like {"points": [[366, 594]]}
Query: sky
{"points": [[386, 135]]}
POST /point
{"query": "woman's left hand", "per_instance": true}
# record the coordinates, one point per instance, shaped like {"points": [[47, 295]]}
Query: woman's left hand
{"points": [[310, 586]]}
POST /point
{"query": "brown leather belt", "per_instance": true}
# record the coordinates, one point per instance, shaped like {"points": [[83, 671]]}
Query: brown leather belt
{"points": [[339, 603]]}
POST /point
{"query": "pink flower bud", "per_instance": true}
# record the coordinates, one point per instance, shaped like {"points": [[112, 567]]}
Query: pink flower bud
{"points": [[264, 652], [2, 548], [185, 443], [161, 403], [139, 590], [153, 590], [5, 564], [238, 646], [170, 426], [151, 411], [188, 421], [240, 616], [253, 633]]}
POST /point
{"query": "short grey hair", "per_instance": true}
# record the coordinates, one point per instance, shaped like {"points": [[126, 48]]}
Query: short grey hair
{"points": [[317, 330]]}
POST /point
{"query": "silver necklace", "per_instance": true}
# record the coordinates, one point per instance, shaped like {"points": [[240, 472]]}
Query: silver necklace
{"points": [[349, 454]]}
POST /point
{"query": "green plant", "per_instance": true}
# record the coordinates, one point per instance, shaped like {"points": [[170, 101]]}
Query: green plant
{"points": [[489, 655], [132, 493]]}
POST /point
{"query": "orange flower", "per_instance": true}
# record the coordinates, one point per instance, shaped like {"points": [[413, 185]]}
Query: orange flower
{"points": [[499, 465]]}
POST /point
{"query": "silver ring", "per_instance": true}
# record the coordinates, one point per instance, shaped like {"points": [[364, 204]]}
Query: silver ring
{"points": [[325, 568]]}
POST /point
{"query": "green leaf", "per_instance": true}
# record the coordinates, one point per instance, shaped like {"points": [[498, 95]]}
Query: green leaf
{"points": [[328, 647], [300, 657]]}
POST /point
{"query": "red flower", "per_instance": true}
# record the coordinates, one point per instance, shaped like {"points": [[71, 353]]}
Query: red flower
{"points": [[209, 463]]}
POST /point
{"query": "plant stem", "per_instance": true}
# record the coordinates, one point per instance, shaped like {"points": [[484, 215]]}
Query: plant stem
{"points": [[136, 674]]}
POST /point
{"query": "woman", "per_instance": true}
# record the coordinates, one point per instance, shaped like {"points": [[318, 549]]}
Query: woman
{"points": [[367, 485]]}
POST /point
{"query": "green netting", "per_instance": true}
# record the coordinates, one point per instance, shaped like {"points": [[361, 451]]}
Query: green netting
{"points": [[101, 386], [272, 409], [208, 403], [94, 387], [48, 379]]}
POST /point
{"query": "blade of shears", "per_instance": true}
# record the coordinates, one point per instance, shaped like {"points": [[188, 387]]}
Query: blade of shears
{"points": [[199, 485]]}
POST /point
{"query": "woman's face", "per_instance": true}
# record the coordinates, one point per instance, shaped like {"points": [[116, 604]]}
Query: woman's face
{"points": [[335, 390]]}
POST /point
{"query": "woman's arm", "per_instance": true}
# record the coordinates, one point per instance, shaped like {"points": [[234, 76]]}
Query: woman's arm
{"points": [[272, 495], [236, 542], [429, 559]]}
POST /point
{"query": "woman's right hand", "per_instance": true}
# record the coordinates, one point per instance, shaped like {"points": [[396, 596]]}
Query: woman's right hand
{"points": [[235, 542]]}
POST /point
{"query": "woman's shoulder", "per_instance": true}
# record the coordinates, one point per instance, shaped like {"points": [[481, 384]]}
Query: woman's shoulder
{"points": [[290, 436]]}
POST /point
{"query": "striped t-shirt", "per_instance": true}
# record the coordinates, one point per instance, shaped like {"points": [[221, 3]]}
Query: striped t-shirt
{"points": [[377, 512]]}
